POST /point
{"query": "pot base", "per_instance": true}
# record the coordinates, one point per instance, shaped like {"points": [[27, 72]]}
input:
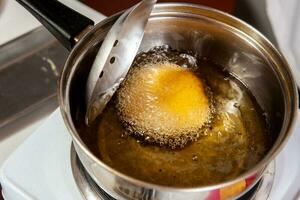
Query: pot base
{"points": [[90, 190]]}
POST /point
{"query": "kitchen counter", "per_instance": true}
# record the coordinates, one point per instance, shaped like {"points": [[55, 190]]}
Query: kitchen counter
{"points": [[14, 22]]}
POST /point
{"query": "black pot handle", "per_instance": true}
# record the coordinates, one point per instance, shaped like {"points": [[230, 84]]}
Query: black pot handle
{"points": [[63, 22]]}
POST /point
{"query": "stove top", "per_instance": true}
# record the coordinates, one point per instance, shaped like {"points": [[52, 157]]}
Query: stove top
{"points": [[41, 168], [87, 187]]}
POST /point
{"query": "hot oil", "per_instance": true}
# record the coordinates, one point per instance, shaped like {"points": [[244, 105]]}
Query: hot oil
{"points": [[235, 139]]}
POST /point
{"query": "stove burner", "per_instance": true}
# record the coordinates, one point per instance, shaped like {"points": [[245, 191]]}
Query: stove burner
{"points": [[90, 190], [86, 185]]}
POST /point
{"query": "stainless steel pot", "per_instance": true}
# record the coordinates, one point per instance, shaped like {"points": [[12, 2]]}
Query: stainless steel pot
{"points": [[220, 37]]}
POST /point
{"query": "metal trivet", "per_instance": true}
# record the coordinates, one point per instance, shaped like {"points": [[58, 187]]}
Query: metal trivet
{"points": [[91, 191], [86, 185], [262, 189]]}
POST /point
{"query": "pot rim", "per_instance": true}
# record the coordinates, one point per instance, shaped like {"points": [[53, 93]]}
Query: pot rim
{"points": [[257, 170]]}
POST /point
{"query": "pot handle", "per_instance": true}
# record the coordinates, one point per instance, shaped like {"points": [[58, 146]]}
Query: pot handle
{"points": [[63, 22], [298, 89]]}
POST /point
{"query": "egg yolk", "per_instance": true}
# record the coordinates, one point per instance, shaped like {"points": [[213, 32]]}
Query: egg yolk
{"points": [[163, 101]]}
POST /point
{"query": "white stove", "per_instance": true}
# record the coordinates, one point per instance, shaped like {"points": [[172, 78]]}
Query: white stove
{"points": [[40, 168]]}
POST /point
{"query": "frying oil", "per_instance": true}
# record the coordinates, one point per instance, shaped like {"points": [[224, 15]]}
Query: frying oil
{"points": [[234, 139]]}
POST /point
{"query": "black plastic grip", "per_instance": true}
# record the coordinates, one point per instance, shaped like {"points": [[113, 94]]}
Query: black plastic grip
{"points": [[298, 98], [63, 22]]}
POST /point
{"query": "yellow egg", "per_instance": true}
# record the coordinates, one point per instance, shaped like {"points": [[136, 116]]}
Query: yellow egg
{"points": [[163, 101]]}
